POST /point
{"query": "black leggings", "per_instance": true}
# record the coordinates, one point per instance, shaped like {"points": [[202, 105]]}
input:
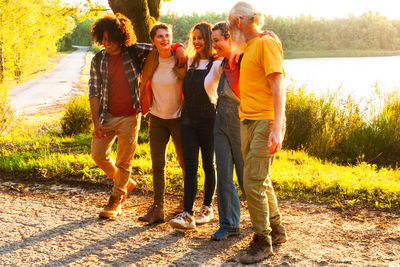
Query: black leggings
{"points": [[197, 136]]}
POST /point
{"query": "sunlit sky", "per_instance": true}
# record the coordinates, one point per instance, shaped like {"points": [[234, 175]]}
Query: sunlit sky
{"points": [[289, 8]]}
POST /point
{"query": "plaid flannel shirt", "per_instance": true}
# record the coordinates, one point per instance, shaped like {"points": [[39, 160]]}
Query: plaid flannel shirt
{"points": [[99, 85]]}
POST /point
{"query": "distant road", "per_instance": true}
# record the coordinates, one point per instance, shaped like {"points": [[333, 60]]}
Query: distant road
{"points": [[50, 88]]}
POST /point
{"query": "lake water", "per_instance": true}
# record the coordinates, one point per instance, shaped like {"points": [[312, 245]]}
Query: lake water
{"points": [[356, 76]]}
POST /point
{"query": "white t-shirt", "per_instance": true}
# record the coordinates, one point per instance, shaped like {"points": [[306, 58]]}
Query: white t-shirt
{"points": [[212, 78], [167, 96]]}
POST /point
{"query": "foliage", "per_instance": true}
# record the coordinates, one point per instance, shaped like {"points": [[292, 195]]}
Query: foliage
{"points": [[81, 34], [301, 116], [304, 33], [6, 113], [183, 24], [65, 43], [94, 48], [296, 175], [334, 127], [383, 132], [29, 31], [77, 117], [368, 31]]}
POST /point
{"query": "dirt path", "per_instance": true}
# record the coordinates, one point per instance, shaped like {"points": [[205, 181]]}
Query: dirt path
{"points": [[49, 89], [57, 225]]}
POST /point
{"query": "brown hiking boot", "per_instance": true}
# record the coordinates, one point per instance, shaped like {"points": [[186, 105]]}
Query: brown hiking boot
{"points": [[113, 207], [260, 248], [131, 185], [278, 234], [180, 207], [154, 215]]}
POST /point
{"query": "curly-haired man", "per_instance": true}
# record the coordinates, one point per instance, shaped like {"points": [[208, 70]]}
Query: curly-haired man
{"points": [[114, 102]]}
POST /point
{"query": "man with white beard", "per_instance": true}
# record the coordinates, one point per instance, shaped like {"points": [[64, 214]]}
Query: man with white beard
{"points": [[262, 116]]}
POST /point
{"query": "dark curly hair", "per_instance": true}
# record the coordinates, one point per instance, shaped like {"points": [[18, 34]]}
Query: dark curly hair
{"points": [[119, 28], [223, 27]]}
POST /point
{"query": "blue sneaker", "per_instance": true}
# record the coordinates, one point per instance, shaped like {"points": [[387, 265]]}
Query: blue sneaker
{"points": [[222, 234]]}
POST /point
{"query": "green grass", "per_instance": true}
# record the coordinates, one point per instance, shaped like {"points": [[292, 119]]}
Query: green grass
{"points": [[328, 142], [296, 175], [300, 176]]}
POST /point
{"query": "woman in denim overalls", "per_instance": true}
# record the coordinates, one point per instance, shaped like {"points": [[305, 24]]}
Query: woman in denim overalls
{"points": [[227, 139], [197, 123]]}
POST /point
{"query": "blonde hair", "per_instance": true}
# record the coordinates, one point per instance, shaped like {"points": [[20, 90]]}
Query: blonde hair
{"points": [[246, 12]]}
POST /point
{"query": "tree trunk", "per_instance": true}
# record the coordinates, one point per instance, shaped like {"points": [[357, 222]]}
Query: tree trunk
{"points": [[142, 13], [154, 8]]}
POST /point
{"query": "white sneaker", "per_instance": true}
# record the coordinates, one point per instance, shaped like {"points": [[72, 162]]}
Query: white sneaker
{"points": [[204, 215], [183, 221]]}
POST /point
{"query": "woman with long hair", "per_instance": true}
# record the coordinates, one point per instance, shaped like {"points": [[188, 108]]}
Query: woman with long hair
{"points": [[197, 123]]}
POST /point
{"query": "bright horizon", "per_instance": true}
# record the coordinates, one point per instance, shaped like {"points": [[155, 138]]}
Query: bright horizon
{"points": [[288, 8]]}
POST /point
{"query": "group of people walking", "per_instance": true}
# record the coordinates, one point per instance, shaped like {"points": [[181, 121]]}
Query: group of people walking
{"points": [[207, 103]]}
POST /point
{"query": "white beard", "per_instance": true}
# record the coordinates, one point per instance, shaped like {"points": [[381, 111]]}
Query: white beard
{"points": [[238, 40]]}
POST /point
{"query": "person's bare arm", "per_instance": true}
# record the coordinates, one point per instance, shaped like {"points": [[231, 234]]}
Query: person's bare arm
{"points": [[234, 60], [279, 99]]}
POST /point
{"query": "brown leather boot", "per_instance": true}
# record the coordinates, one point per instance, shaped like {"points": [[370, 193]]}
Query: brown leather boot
{"points": [[131, 185], [113, 207], [278, 234], [154, 215], [260, 248]]}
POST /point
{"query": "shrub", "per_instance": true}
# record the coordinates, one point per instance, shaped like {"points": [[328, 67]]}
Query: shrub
{"points": [[77, 117], [94, 48], [343, 130], [328, 126], [301, 117], [385, 128], [81, 34], [64, 44]]}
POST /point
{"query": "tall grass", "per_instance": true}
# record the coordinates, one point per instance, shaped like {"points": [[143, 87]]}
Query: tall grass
{"points": [[342, 130], [321, 132]]}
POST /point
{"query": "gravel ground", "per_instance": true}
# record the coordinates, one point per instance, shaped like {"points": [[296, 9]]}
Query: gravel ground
{"points": [[57, 225]]}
